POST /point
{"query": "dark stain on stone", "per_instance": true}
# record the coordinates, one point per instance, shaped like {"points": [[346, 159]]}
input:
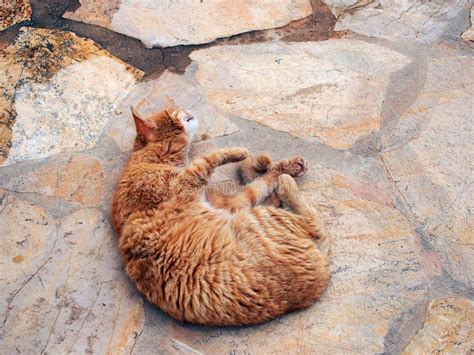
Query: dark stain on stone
{"points": [[402, 329], [48, 14], [8, 35], [402, 91], [318, 26]]}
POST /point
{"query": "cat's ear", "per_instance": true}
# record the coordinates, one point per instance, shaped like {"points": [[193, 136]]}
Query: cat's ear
{"points": [[144, 127]]}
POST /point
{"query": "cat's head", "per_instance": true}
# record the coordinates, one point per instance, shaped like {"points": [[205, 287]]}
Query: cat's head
{"points": [[164, 125]]}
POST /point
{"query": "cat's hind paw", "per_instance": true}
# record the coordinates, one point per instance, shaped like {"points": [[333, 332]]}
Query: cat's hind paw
{"points": [[295, 167]]}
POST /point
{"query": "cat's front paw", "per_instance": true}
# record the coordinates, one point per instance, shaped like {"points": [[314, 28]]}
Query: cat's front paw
{"points": [[233, 155], [295, 167]]}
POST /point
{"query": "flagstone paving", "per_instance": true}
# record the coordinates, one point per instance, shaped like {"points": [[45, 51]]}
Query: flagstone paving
{"points": [[383, 112], [193, 22]]}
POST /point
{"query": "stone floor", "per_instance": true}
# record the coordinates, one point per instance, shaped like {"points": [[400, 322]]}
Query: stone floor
{"points": [[376, 94]]}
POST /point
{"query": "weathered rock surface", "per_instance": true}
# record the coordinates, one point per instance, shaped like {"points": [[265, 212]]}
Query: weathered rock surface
{"points": [[329, 91], [172, 23], [429, 156], [448, 328], [74, 178], [468, 35], [169, 90], [14, 11], [58, 91], [63, 289], [419, 20]]}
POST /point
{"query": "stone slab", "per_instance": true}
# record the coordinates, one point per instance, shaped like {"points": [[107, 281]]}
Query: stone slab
{"points": [[58, 91], [410, 20], [75, 178], [63, 289], [429, 155], [172, 23], [330, 91]]}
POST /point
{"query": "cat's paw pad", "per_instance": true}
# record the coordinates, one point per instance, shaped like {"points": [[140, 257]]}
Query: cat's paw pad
{"points": [[295, 167]]}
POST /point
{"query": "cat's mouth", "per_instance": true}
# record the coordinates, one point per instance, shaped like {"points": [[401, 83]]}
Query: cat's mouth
{"points": [[189, 119]]}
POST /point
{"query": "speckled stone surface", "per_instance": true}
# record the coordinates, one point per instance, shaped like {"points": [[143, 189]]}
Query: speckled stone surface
{"points": [[13, 12], [58, 91], [383, 115], [448, 328]]}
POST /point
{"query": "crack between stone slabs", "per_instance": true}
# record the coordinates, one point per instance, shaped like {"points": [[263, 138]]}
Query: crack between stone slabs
{"points": [[52, 205], [115, 321], [48, 14], [87, 316], [392, 180], [59, 311], [21, 288], [136, 339], [402, 91], [249, 128], [354, 9], [445, 285], [406, 11]]}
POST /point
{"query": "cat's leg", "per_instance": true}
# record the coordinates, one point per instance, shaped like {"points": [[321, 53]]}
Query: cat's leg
{"points": [[253, 166], [250, 195], [200, 170], [291, 195], [261, 188]]}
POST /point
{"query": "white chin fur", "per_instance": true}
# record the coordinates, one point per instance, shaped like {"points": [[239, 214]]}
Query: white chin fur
{"points": [[191, 128]]}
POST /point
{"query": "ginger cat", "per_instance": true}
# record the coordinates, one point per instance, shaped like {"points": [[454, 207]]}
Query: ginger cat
{"points": [[207, 258]]}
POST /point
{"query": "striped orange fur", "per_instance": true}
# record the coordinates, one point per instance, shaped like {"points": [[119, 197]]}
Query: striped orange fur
{"points": [[209, 258]]}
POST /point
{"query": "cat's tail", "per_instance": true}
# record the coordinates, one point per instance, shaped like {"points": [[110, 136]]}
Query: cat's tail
{"points": [[324, 244], [317, 232]]}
